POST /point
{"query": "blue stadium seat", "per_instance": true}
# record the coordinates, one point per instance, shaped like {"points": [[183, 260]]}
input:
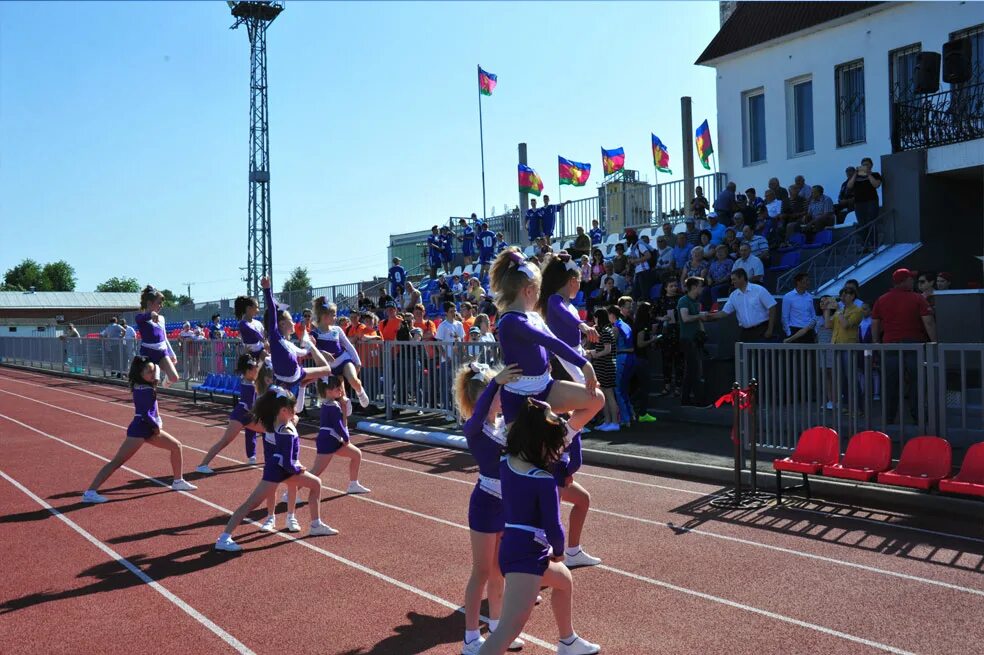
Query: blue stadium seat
{"points": [[579, 298], [655, 291], [208, 385], [796, 240], [789, 259], [820, 239]]}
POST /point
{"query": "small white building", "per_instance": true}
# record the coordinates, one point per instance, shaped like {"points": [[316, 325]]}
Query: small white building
{"points": [[807, 88]]}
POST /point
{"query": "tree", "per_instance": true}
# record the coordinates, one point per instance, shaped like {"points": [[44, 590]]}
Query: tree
{"points": [[297, 287], [59, 276], [183, 300], [119, 285], [25, 275]]}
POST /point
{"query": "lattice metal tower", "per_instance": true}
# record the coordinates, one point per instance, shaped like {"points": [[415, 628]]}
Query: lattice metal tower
{"points": [[257, 15]]}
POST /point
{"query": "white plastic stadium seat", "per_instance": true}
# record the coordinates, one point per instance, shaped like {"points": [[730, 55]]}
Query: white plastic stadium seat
{"points": [[529, 250], [612, 239], [456, 271]]}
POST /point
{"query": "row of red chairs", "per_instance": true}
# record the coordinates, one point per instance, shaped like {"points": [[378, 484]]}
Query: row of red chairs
{"points": [[925, 462]]}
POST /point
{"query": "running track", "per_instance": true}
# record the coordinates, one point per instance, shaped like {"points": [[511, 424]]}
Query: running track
{"points": [[137, 574]]}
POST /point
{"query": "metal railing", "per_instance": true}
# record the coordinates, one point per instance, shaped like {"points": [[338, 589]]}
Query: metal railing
{"points": [[938, 119], [902, 389], [844, 254]]}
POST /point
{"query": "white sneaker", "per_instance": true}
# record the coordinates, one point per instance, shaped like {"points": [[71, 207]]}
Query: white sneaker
{"points": [[91, 496], [539, 599], [227, 544], [182, 485], [204, 468], [251, 460], [356, 488], [517, 644], [292, 524], [578, 647], [581, 559], [473, 646], [363, 398], [270, 524], [321, 530]]}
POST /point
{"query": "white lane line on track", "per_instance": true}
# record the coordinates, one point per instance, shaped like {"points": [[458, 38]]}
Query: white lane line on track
{"points": [[936, 533], [637, 519], [297, 540], [635, 576], [236, 645]]}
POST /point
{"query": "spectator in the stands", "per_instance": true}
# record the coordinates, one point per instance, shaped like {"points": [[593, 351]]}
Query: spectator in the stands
{"points": [[665, 311], [706, 245], [640, 254], [484, 326], [692, 235], [391, 324], [457, 288], [804, 188], [772, 204], [664, 257], [129, 338], [739, 221], [819, 211], [581, 245], [487, 307], [926, 285], [364, 303], [751, 264], [846, 319], [500, 242], [799, 313], [752, 198], [688, 310], [397, 275], [597, 267], [742, 210], [609, 272], [716, 228], [411, 295], [467, 317], [584, 266], [778, 190], [682, 250], [901, 316], [731, 242], [724, 204], [719, 273], [442, 294], [864, 184], [854, 284], [667, 232], [475, 291], [754, 306], [845, 197], [699, 205], [696, 266], [597, 233], [944, 281], [757, 243], [420, 319], [609, 294], [793, 211]]}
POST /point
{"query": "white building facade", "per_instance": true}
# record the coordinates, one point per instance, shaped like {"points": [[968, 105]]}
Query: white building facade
{"points": [[816, 100]]}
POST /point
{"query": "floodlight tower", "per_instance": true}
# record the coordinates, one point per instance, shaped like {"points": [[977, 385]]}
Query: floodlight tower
{"points": [[257, 15]]}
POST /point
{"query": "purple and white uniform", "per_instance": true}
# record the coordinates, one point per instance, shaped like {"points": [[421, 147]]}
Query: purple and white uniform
{"points": [[283, 354], [252, 334], [334, 342], [525, 341], [486, 442], [281, 449], [242, 413], [153, 338], [333, 433], [146, 419], [565, 323], [533, 532], [569, 462]]}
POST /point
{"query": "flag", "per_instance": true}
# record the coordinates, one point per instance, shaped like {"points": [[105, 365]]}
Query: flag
{"points": [[661, 157], [613, 160], [704, 149], [572, 172], [486, 82], [529, 181]]}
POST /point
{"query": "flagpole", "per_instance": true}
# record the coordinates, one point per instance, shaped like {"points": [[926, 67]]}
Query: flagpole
{"points": [[659, 210], [481, 138]]}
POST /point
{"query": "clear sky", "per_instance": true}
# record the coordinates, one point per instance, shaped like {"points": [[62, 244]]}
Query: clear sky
{"points": [[124, 125]]}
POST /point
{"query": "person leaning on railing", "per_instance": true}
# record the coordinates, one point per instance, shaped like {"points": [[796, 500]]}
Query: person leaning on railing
{"points": [[754, 307]]}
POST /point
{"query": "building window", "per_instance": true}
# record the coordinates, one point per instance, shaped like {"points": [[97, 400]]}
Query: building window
{"points": [[753, 125], [799, 115], [976, 36], [902, 72], [849, 83]]}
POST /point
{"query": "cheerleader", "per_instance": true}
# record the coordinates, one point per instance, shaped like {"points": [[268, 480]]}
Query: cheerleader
{"points": [[248, 368], [153, 336], [144, 428], [333, 435], [561, 282], [250, 330], [525, 339], [530, 555], [476, 389], [337, 349], [284, 355], [275, 411]]}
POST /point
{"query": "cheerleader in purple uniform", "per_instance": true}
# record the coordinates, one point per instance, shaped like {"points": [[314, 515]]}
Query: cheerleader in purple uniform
{"points": [[251, 330], [337, 349], [153, 337], [275, 411], [531, 552], [333, 435], [287, 371], [476, 389], [525, 341], [561, 282], [144, 428], [241, 415]]}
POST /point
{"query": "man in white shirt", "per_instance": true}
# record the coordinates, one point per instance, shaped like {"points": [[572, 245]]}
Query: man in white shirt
{"points": [[129, 339], [799, 314], [664, 256], [754, 307], [450, 328], [772, 204], [751, 264]]}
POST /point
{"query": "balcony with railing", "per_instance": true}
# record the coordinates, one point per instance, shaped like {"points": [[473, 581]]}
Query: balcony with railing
{"points": [[938, 119]]}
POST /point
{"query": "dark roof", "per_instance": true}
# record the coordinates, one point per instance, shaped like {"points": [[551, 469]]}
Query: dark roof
{"points": [[753, 23]]}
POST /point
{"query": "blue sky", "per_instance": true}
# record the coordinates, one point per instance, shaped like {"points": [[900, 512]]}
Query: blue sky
{"points": [[124, 125]]}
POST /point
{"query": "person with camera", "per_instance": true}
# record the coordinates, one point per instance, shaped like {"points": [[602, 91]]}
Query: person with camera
{"points": [[691, 330], [864, 185]]}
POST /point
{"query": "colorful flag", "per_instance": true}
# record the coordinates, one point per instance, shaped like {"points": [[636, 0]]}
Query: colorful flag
{"points": [[613, 160], [572, 172], [486, 82], [704, 148], [529, 181], [661, 157]]}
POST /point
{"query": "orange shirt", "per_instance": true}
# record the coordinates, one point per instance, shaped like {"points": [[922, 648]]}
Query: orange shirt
{"points": [[388, 327], [466, 324]]}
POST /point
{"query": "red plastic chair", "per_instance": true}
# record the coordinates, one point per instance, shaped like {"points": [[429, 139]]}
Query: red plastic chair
{"points": [[868, 454], [817, 447], [970, 479], [924, 462]]}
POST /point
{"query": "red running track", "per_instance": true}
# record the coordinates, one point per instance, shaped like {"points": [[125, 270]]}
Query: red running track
{"points": [[677, 576]]}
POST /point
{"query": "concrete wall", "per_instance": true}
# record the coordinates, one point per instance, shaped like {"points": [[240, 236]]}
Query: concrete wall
{"points": [[868, 35]]}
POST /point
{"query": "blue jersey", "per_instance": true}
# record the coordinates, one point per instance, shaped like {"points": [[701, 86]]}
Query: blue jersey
{"points": [[486, 245], [447, 246], [467, 241], [534, 226], [397, 276], [502, 245], [434, 246], [548, 219], [597, 236]]}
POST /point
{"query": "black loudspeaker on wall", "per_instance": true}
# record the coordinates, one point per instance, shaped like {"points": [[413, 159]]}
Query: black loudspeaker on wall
{"points": [[956, 61], [927, 73]]}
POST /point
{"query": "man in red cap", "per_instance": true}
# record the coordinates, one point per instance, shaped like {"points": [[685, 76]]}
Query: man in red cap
{"points": [[901, 316]]}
